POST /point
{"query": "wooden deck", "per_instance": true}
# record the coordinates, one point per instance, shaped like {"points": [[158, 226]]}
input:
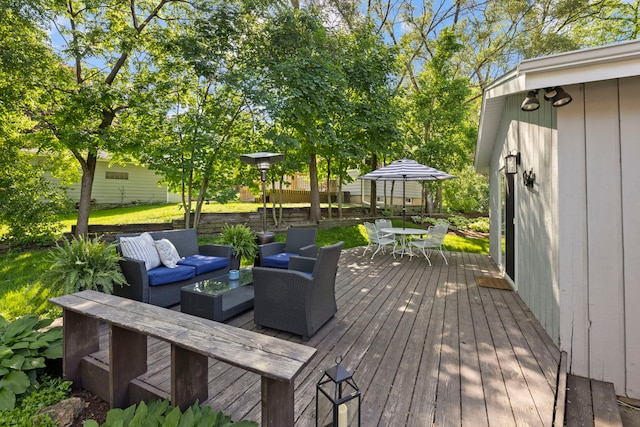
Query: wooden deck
{"points": [[426, 346]]}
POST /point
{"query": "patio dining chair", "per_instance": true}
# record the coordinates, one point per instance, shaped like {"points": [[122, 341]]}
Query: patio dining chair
{"points": [[433, 240], [384, 223], [377, 240]]}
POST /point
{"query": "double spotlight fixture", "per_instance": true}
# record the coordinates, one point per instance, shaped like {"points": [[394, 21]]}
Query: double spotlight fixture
{"points": [[556, 95]]}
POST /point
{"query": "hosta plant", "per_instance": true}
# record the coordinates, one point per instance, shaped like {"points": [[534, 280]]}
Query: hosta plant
{"points": [[159, 413], [24, 346], [81, 264]]}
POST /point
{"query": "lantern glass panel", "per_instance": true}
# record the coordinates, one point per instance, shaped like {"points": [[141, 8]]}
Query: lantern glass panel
{"points": [[337, 405], [511, 164]]}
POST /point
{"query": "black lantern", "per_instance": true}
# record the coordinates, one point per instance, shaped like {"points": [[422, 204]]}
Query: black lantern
{"points": [[337, 398], [512, 160], [262, 161]]}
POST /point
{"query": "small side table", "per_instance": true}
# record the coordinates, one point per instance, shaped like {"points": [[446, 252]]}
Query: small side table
{"points": [[218, 298]]}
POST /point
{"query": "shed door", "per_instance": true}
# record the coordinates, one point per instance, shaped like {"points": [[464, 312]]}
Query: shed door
{"points": [[509, 225]]}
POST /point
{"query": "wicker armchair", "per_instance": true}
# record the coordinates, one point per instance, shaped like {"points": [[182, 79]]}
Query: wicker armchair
{"points": [[300, 241], [300, 299]]}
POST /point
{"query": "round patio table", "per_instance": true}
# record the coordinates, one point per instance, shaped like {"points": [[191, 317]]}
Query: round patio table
{"points": [[403, 233]]}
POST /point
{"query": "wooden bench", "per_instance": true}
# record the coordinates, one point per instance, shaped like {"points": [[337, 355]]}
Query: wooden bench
{"points": [[193, 340]]}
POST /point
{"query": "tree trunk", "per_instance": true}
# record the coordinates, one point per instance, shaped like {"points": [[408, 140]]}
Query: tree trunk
{"points": [[329, 188], [339, 196], [374, 190], [314, 212], [86, 186]]}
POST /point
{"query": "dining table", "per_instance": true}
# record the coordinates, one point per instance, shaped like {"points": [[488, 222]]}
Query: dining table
{"points": [[403, 233]]}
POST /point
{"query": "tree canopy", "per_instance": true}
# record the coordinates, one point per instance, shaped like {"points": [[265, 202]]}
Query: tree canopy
{"points": [[185, 87]]}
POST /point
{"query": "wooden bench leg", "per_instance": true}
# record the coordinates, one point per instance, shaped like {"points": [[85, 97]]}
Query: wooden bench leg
{"points": [[127, 360], [80, 339], [277, 403], [189, 377]]}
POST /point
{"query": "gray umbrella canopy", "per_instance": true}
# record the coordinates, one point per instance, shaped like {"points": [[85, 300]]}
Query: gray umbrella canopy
{"points": [[406, 170]]}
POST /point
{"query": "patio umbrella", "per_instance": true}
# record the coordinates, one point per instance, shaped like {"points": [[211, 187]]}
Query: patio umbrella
{"points": [[406, 170]]}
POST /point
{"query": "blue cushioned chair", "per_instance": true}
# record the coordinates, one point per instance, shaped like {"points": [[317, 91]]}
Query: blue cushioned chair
{"points": [[299, 241]]}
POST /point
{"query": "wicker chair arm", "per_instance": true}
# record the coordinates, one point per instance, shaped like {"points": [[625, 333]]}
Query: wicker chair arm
{"points": [[137, 278], [269, 249], [300, 263]]}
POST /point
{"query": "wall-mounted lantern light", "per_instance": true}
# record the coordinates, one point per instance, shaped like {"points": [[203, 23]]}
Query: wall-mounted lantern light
{"points": [[337, 398], [529, 178], [511, 161]]}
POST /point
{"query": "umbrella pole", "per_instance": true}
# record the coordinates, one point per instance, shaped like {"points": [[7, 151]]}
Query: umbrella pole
{"points": [[404, 201]]}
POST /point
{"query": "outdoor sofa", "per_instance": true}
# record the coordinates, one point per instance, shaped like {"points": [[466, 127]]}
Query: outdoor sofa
{"points": [[160, 284]]}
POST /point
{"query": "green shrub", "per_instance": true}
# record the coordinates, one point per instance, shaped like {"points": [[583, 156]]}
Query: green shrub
{"points": [[84, 264], [48, 392], [457, 222], [23, 350], [159, 413], [481, 225]]}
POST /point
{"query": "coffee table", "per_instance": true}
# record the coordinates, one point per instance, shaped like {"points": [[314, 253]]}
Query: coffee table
{"points": [[218, 298]]}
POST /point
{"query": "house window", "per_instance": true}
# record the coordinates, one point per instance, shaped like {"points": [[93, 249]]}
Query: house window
{"points": [[117, 175], [378, 199], [409, 200]]}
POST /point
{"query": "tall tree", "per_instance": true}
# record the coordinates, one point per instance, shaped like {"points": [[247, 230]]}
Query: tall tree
{"points": [[29, 204], [204, 118], [108, 49], [300, 84], [437, 125]]}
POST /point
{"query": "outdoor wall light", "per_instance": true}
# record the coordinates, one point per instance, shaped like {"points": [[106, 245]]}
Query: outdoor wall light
{"points": [[556, 95], [529, 178], [337, 398], [511, 161], [531, 102], [263, 162], [561, 97]]}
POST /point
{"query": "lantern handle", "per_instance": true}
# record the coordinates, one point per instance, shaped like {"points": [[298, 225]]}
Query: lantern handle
{"points": [[338, 360]]}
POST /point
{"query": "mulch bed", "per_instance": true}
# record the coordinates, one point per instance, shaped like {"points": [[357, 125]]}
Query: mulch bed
{"points": [[94, 408]]}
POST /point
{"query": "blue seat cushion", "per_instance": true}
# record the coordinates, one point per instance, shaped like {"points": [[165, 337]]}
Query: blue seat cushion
{"points": [[280, 260], [163, 275], [204, 264]]}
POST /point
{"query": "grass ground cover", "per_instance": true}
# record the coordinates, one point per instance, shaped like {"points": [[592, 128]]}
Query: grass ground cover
{"points": [[22, 290]]}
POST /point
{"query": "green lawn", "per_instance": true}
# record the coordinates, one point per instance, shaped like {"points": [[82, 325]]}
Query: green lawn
{"points": [[22, 291]]}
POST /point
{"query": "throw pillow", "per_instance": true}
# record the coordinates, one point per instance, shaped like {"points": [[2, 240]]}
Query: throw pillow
{"points": [[168, 253], [141, 248]]}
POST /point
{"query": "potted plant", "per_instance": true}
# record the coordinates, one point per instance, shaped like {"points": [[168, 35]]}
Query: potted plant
{"points": [[84, 263], [243, 241]]}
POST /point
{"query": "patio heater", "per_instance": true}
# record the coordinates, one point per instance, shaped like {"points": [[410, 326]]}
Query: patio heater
{"points": [[337, 398], [263, 162]]}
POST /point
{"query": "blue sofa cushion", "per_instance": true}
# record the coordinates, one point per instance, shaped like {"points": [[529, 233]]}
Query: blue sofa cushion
{"points": [[280, 260], [204, 264], [163, 275]]}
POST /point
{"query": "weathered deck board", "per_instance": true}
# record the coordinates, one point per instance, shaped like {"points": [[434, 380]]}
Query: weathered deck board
{"points": [[426, 346], [591, 403]]}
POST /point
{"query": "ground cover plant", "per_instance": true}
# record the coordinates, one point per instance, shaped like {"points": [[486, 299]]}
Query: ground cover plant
{"points": [[49, 391]]}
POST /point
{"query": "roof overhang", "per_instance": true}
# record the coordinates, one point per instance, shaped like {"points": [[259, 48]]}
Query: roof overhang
{"points": [[582, 66]]}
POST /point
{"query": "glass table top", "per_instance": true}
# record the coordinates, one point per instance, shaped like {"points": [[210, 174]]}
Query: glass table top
{"points": [[221, 284]]}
